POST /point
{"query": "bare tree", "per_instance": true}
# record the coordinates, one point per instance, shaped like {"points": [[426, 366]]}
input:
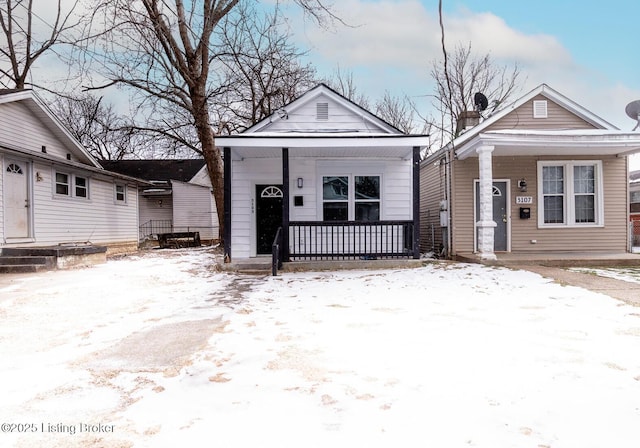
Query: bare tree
{"points": [[165, 50], [21, 45], [95, 124], [343, 83], [262, 69], [460, 77], [401, 113]]}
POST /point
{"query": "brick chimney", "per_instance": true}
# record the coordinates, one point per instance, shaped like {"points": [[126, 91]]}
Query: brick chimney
{"points": [[467, 120]]}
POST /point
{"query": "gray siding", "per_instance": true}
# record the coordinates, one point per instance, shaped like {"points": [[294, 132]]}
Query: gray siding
{"points": [[432, 191]]}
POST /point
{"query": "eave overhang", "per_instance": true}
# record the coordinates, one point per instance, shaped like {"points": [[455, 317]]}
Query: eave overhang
{"points": [[553, 143], [319, 145]]}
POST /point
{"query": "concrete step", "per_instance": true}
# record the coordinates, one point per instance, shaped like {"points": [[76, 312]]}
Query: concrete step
{"points": [[22, 260], [22, 268]]}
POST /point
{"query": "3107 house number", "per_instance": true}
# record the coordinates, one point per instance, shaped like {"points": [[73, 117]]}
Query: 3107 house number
{"points": [[524, 199]]}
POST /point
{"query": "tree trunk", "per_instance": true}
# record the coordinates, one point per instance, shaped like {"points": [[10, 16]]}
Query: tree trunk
{"points": [[212, 156]]}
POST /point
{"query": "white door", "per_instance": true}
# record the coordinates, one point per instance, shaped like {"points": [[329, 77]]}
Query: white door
{"points": [[16, 199]]}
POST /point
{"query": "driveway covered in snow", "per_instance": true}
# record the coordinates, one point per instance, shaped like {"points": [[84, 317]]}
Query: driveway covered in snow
{"points": [[161, 350]]}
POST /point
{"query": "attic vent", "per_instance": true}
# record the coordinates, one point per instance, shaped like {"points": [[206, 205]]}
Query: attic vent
{"points": [[540, 109], [322, 111]]}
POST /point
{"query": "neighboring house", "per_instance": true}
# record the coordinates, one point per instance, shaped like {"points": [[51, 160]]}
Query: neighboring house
{"points": [[634, 206], [52, 191], [180, 199], [338, 181], [541, 175]]}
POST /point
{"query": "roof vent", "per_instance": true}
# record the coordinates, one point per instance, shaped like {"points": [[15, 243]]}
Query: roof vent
{"points": [[540, 109], [322, 111]]}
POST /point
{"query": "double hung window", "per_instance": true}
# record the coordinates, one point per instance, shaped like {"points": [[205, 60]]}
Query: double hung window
{"points": [[351, 198], [71, 185], [570, 193]]}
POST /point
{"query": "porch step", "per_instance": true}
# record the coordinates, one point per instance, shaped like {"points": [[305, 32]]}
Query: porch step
{"points": [[26, 263]]}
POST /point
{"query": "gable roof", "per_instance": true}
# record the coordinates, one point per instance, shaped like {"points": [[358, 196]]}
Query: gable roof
{"points": [[546, 91], [42, 112], [372, 122], [182, 170]]}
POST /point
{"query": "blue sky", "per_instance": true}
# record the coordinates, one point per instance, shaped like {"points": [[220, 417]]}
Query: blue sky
{"points": [[587, 50]]}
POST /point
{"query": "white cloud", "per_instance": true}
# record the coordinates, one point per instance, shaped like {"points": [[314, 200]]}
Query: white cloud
{"points": [[405, 33]]}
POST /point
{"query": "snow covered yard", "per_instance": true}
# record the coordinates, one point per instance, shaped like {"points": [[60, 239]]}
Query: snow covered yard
{"points": [[162, 351]]}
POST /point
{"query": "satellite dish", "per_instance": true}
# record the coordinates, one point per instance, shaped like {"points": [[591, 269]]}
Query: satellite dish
{"points": [[480, 101], [633, 111]]}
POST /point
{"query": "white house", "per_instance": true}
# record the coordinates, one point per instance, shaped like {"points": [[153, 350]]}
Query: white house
{"points": [[339, 183], [180, 198], [52, 191]]}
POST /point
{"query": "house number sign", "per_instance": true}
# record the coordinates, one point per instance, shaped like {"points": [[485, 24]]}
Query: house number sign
{"points": [[524, 199]]}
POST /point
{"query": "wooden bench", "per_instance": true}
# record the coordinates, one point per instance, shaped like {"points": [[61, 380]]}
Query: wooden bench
{"points": [[176, 240]]}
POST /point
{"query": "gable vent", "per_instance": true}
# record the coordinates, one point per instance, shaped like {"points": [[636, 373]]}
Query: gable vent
{"points": [[540, 109], [322, 111]]}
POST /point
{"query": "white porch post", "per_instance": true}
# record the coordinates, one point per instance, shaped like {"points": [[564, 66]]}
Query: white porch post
{"points": [[486, 225]]}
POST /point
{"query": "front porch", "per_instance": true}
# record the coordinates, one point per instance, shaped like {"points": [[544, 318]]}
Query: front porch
{"points": [[263, 265]]}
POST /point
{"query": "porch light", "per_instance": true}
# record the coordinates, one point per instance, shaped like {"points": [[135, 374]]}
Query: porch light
{"points": [[522, 185], [300, 182]]}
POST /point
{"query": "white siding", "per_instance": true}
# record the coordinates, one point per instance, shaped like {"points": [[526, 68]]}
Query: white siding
{"points": [[201, 177], [98, 219], [245, 175], [156, 208], [305, 118], [19, 128], [192, 210], [396, 191]]}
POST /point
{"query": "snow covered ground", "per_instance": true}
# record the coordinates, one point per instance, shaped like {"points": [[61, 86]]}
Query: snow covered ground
{"points": [[161, 350]]}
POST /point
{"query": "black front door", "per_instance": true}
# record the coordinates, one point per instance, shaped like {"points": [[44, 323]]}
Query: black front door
{"points": [[268, 216]]}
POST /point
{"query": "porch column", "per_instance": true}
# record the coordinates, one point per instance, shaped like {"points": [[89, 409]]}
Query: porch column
{"points": [[285, 204], [416, 202], [486, 225], [226, 236]]}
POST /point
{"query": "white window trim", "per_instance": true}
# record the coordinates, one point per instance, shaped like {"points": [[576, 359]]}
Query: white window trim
{"points": [[69, 184], [71, 178], [115, 194], [86, 187], [351, 197], [569, 203], [540, 109]]}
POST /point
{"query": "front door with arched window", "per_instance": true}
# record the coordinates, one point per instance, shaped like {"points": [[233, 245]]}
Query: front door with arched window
{"points": [[268, 216], [16, 199], [500, 193]]}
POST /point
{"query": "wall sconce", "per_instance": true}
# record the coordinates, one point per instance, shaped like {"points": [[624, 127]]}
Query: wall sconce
{"points": [[39, 177], [159, 202], [522, 185], [300, 182]]}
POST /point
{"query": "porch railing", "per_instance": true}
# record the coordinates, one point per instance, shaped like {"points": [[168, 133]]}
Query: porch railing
{"points": [[276, 252], [154, 227], [344, 240]]}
